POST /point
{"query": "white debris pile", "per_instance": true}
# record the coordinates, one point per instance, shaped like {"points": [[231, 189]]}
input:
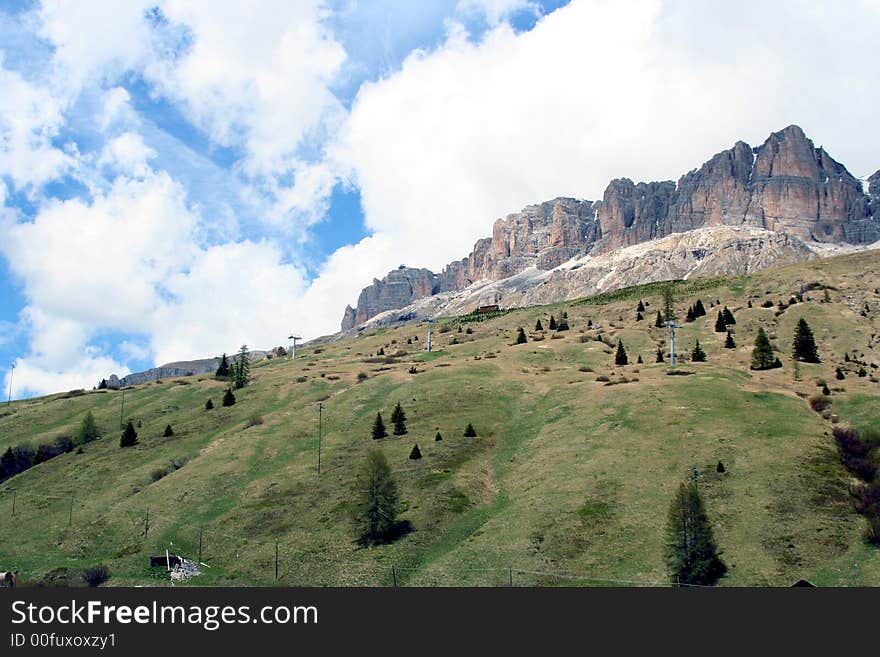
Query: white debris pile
{"points": [[184, 569]]}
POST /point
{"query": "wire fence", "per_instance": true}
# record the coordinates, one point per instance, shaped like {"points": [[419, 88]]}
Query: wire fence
{"points": [[80, 525]]}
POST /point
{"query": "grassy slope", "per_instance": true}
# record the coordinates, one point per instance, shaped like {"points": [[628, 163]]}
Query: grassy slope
{"points": [[567, 476]]}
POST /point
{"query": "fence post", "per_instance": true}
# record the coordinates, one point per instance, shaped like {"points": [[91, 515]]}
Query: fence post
{"points": [[276, 558], [147, 523], [70, 514], [510, 575], [200, 544], [394, 575]]}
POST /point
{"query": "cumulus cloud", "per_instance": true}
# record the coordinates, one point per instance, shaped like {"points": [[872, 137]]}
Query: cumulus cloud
{"points": [[496, 11], [127, 154]]}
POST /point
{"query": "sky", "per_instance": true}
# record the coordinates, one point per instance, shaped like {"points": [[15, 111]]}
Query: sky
{"points": [[180, 177]]}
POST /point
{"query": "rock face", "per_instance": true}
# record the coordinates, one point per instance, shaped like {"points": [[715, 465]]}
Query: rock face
{"points": [[786, 186]]}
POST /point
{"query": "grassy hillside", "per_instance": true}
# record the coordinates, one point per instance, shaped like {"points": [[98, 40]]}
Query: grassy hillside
{"points": [[567, 482]]}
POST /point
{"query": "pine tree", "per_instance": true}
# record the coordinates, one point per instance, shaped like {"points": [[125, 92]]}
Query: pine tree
{"points": [[398, 419], [552, 323], [589, 323], [728, 317], [88, 430], [691, 554], [379, 431], [102, 385], [639, 359], [720, 326], [223, 367], [538, 325], [639, 317], [241, 368], [720, 469], [521, 336], [228, 397], [168, 431], [698, 355], [668, 303], [129, 436], [209, 405], [659, 321], [416, 453], [469, 431], [699, 309], [689, 317], [750, 303], [376, 501], [641, 307], [620, 357], [728, 341], [438, 437], [762, 354], [659, 356], [838, 374], [381, 351], [563, 323], [804, 346]]}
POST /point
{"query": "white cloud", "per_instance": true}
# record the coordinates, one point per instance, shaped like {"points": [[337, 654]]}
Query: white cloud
{"points": [[128, 155], [496, 11]]}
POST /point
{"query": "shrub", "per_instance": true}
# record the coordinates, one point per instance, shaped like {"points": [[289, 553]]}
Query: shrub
{"points": [[413, 370], [362, 376], [228, 397], [820, 403], [584, 368], [602, 379], [254, 421], [839, 375], [469, 431], [96, 575], [158, 473]]}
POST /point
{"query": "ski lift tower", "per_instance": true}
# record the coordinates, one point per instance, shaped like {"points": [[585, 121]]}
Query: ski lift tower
{"points": [[672, 326], [430, 321], [293, 347]]}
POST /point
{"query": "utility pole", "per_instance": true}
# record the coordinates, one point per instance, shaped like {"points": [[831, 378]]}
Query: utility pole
{"points": [[672, 326], [11, 373], [320, 419], [293, 348], [122, 410]]}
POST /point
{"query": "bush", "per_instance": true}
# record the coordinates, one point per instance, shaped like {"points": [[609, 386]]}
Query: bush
{"points": [[820, 403], [255, 420], [838, 374], [157, 474], [96, 575], [362, 376]]}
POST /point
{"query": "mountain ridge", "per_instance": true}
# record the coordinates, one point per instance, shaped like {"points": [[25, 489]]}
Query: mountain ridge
{"points": [[786, 185]]}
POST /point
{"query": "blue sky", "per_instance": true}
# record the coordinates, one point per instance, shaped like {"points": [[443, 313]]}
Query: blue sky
{"points": [[180, 177]]}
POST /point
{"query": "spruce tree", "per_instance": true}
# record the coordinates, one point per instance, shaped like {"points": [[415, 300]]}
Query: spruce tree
{"points": [[223, 367], [804, 345], [102, 385], [639, 359], [698, 355], [659, 321], [398, 419], [720, 325], [641, 307], [762, 354], [416, 453], [750, 303], [376, 502], [691, 553], [838, 374], [469, 431], [720, 469], [241, 368], [639, 317], [620, 357], [659, 356], [168, 431], [438, 437], [563, 323], [209, 405], [381, 351], [729, 319], [228, 397], [699, 309], [88, 430], [129, 436], [538, 325], [379, 431], [668, 303], [521, 336], [728, 341], [552, 323]]}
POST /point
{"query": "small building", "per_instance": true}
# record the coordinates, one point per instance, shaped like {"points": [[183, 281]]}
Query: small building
{"points": [[487, 309]]}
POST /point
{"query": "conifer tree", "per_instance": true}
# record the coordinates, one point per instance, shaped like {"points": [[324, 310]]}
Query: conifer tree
{"points": [[469, 431], [552, 323], [639, 317], [563, 323], [589, 323], [168, 431], [209, 405], [376, 501], [398, 419], [538, 325], [691, 553], [720, 326], [521, 336], [660, 356], [223, 367], [102, 385], [838, 374], [698, 355], [228, 397], [620, 357], [699, 309], [381, 351], [438, 437], [641, 307], [750, 303], [129, 436], [659, 321], [728, 341], [668, 304], [379, 430], [689, 316], [720, 469], [416, 453], [639, 359], [241, 368], [88, 430], [728, 317], [762, 354], [804, 345]]}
